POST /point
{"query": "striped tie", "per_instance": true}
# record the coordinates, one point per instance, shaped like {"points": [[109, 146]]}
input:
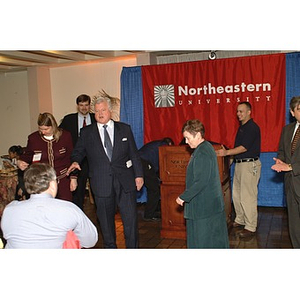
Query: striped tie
{"points": [[107, 143], [295, 140]]}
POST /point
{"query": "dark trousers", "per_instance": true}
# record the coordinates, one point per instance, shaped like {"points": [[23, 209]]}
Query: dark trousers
{"points": [[79, 193], [293, 207], [152, 184], [106, 210], [64, 191]]}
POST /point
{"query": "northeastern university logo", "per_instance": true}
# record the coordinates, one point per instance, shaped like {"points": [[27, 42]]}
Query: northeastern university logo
{"points": [[164, 96]]}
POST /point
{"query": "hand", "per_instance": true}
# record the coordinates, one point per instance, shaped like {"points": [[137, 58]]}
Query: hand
{"points": [[278, 161], [73, 184], [73, 166], [280, 166], [22, 165], [221, 152], [179, 201], [139, 182]]}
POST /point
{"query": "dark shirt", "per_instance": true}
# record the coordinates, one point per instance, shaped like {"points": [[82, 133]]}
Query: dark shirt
{"points": [[248, 135], [150, 153]]}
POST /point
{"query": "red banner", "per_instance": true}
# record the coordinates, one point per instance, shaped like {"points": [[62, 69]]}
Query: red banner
{"points": [[211, 91]]}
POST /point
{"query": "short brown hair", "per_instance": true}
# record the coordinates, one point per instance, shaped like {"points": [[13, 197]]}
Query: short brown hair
{"points": [[193, 127], [37, 178], [295, 101], [83, 98]]}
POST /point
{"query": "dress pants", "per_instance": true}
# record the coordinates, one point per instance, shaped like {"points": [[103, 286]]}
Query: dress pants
{"points": [[293, 208], [64, 191], [106, 210], [79, 193], [244, 193], [152, 184]]}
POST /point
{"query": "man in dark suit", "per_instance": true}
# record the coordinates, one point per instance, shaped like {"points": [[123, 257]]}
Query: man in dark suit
{"points": [[115, 172], [73, 123], [288, 161]]}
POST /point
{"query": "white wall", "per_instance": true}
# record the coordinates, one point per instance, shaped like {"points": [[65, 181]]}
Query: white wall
{"points": [[14, 113], [70, 81], [67, 82]]}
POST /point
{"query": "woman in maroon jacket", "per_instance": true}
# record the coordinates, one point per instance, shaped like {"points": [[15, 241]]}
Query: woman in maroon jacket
{"points": [[51, 145]]}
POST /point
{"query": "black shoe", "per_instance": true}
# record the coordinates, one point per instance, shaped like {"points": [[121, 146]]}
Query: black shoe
{"points": [[237, 225], [152, 219], [246, 233]]}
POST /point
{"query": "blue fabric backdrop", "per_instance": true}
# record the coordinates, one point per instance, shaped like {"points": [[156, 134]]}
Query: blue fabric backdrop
{"points": [[271, 188], [131, 106]]}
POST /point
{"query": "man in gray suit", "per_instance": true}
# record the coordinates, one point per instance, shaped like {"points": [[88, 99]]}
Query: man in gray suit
{"points": [[288, 161], [115, 172]]}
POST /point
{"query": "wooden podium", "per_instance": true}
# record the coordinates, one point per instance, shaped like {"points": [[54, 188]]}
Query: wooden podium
{"points": [[173, 161]]}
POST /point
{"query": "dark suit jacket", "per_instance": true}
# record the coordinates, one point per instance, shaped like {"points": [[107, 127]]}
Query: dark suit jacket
{"points": [[284, 153], [125, 164], [70, 123]]}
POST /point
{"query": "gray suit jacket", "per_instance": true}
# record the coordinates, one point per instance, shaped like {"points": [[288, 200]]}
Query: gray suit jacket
{"points": [[125, 164], [284, 153]]}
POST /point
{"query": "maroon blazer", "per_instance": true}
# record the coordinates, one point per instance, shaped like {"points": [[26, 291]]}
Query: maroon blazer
{"points": [[55, 153]]}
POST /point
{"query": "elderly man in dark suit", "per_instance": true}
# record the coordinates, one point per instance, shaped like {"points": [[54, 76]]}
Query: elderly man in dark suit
{"points": [[73, 123], [288, 161], [115, 172]]}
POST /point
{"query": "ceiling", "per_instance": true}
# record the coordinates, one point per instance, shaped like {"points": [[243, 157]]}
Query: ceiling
{"points": [[11, 61], [21, 60]]}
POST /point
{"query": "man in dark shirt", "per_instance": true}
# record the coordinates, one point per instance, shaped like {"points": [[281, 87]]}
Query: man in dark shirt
{"points": [[247, 170], [149, 155]]}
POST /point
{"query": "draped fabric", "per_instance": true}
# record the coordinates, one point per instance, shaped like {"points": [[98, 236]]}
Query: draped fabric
{"points": [[131, 107], [292, 81], [210, 91], [271, 188]]}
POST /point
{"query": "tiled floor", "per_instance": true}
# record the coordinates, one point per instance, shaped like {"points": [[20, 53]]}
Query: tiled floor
{"points": [[272, 231]]}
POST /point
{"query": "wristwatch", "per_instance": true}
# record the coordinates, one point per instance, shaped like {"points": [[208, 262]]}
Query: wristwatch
{"points": [[290, 166]]}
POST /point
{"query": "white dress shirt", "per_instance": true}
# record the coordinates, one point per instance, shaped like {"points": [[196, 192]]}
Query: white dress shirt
{"points": [[110, 129], [296, 127], [88, 121]]}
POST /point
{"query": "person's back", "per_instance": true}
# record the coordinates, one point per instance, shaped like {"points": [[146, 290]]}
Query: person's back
{"points": [[42, 222], [150, 151]]}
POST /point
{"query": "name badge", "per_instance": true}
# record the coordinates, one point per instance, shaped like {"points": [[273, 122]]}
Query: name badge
{"points": [[37, 157], [129, 163]]}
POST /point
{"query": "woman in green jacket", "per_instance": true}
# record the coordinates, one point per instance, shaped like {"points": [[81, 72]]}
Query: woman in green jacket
{"points": [[203, 198]]}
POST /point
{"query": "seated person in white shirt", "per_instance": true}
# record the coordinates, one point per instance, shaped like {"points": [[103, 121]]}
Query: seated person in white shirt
{"points": [[42, 222]]}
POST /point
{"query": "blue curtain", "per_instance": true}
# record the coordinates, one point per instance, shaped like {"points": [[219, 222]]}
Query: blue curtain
{"points": [[292, 80], [271, 187], [131, 107]]}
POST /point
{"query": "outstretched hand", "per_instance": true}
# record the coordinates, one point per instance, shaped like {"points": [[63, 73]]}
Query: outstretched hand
{"points": [[74, 165], [221, 152]]}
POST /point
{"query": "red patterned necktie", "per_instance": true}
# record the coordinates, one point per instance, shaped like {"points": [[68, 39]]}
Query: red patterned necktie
{"points": [[84, 122], [295, 140]]}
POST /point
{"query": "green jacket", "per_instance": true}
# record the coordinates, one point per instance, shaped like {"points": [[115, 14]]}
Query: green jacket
{"points": [[203, 194]]}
